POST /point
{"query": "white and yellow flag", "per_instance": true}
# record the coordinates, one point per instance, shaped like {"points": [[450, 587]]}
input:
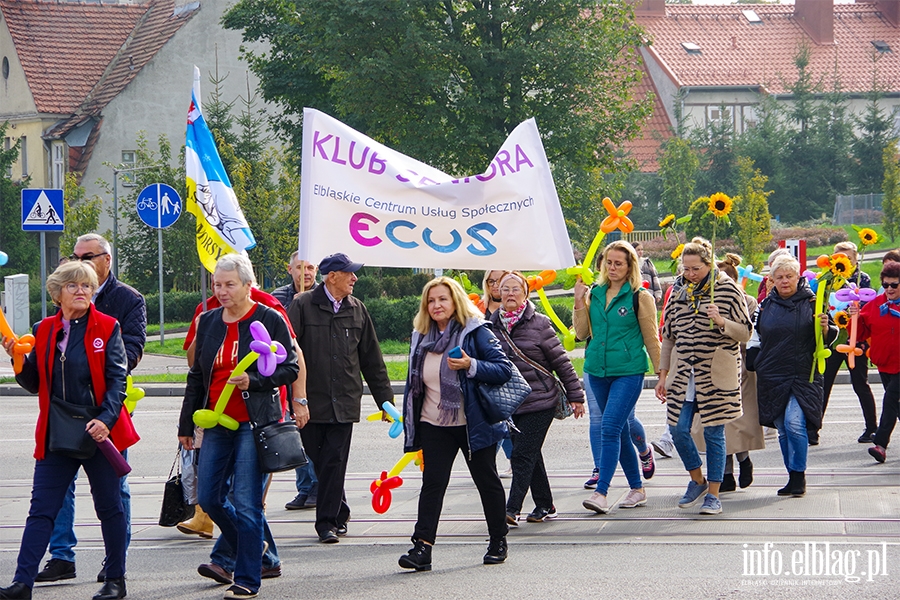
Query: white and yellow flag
{"points": [[221, 225]]}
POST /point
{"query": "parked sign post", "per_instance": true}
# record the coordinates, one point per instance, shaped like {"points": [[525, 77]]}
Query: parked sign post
{"points": [[43, 210]]}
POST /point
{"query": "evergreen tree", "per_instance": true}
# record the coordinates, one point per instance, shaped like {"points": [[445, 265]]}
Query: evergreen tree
{"points": [[82, 214], [678, 168], [22, 247], [890, 204], [876, 128]]}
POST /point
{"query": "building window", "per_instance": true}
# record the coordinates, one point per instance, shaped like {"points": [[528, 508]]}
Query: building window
{"points": [[749, 118], [720, 113], [23, 155], [58, 172]]}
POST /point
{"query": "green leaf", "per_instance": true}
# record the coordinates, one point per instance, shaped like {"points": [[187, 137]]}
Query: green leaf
{"points": [[686, 218]]}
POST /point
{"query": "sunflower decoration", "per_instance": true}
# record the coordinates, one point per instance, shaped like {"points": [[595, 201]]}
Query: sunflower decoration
{"points": [[841, 267], [720, 205], [676, 254], [867, 237], [670, 224], [842, 319], [667, 221]]}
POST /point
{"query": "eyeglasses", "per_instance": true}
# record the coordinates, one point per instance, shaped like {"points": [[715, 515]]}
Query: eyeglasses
{"points": [[506, 290], [85, 257], [693, 269], [492, 282], [892, 286], [73, 288]]}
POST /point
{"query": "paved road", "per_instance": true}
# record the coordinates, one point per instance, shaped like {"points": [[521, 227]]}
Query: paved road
{"points": [[657, 551]]}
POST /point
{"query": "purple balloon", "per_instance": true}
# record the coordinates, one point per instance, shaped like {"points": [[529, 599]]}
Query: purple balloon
{"points": [[270, 353], [867, 295]]}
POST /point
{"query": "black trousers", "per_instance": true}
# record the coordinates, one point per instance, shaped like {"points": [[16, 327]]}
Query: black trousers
{"points": [[328, 445], [859, 378], [439, 448], [890, 408], [527, 461]]}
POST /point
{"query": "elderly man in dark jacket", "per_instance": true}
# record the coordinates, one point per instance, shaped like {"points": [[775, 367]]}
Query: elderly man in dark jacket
{"points": [[337, 337], [128, 307]]}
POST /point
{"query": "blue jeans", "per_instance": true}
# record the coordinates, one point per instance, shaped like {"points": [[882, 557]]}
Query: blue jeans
{"points": [[714, 436], [792, 436], [223, 555], [63, 540], [306, 478], [231, 455], [52, 477], [635, 427], [506, 445], [616, 397]]}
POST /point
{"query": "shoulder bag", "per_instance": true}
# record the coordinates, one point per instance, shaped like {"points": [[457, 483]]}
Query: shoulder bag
{"points": [[174, 508], [563, 406], [66, 424], [278, 444]]}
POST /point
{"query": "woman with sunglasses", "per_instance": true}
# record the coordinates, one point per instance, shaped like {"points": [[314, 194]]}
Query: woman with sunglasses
{"points": [[879, 320]]}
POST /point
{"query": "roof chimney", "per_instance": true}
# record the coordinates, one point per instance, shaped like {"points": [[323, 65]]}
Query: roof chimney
{"points": [[816, 17], [649, 8], [890, 10]]}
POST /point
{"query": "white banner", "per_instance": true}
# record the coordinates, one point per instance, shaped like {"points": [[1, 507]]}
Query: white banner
{"points": [[383, 208]]}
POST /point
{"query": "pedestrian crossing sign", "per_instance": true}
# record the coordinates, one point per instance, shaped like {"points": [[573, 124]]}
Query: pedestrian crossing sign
{"points": [[43, 210]]}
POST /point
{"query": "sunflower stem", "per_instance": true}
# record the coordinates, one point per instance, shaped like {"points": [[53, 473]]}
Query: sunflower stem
{"points": [[712, 272]]}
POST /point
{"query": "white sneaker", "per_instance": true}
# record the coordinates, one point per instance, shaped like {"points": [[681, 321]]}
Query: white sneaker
{"points": [[507, 474], [634, 499], [597, 503], [664, 448]]}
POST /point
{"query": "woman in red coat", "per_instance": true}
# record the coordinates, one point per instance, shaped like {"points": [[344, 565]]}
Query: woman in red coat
{"points": [[880, 321], [77, 367]]}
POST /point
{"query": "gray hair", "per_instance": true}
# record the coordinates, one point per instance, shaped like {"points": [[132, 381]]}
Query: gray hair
{"points": [[785, 263], [74, 271], [95, 237], [778, 252], [239, 263]]}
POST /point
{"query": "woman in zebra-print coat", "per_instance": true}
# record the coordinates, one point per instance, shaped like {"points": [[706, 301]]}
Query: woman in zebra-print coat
{"points": [[700, 365]]}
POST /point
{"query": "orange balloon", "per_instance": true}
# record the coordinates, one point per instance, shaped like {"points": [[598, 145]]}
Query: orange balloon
{"points": [[824, 261], [549, 276]]}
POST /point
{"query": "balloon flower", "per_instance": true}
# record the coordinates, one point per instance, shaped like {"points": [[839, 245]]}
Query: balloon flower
{"points": [[617, 219], [478, 301], [855, 295], [268, 353], [393, 416], [536, 283], [21, 348], [132, 395], [389, 480], [812, 280], [746, 274]]}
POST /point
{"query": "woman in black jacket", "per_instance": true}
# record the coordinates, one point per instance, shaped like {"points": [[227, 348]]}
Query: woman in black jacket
{"points": [[528, 339], [223, 339], [781, 352]]}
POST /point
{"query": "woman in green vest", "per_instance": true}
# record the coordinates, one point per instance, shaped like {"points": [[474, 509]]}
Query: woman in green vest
{"points": [[618, 318]]}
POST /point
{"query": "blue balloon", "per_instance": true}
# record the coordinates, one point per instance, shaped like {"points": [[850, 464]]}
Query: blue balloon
{"points": [[3, 258]]}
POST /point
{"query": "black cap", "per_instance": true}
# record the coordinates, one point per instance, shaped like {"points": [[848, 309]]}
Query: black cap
{"points": [[338, 262]]}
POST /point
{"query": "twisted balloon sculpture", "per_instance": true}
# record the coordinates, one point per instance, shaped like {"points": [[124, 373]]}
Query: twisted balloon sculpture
{"points": [[268, 353], [24, 344], [389, 480], [617, 219], [855, 295]]}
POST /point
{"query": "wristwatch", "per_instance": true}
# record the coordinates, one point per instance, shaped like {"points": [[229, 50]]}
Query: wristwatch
{"points": [[301, 401]]}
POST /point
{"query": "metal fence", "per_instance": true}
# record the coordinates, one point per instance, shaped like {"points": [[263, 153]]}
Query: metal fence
{"points": [[862, 209], [642, 236]]}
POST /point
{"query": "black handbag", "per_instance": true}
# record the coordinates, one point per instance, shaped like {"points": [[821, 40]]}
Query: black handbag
{"points": [[563, 406], [174, 508], [66, 424], [278, 445], [499, 402]]}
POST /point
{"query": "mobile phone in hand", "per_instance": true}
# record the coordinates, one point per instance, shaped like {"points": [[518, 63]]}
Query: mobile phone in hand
{"points": [[455, 352]]}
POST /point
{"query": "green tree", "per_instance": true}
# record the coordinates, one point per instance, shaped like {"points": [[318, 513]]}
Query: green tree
{"points": [[82, 214], [890, 204], [678, 168], [22, 247], [715, 144], [875, 128], [751, 212], [446, 82]]}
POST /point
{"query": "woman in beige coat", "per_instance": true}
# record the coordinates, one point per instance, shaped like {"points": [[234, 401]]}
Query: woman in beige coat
{"points": [[744, 433]]}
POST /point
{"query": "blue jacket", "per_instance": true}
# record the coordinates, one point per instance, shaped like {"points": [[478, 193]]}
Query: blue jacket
{"points": [[127, 306], [493, 366]]}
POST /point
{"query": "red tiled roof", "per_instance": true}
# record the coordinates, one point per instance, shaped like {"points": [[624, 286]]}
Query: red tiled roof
{"points": [[645, 148], [735, 52], [77, 57]]}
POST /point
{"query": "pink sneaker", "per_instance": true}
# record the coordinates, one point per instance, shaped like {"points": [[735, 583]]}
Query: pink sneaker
{"points": [[597, 503], [648, 466], [878, 453], [634, 499]]}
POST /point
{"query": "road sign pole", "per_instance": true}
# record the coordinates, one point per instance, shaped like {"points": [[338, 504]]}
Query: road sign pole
{"points": [[43, 275], [162, 321]]}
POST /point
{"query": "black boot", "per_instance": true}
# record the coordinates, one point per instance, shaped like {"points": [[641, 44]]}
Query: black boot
{"points": [[496, 551], [746, 476], [728, 483], [786, 490], [418, 557], [17, 591], [112, 589], [798, 485]]}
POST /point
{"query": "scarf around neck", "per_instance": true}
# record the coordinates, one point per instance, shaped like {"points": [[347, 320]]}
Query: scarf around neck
{"points": [[693, 293], [451, 392], [510, 317], [891, 307]]}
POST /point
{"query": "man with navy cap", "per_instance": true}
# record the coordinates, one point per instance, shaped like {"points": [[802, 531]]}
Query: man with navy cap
{"points": [[338, 340]]}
